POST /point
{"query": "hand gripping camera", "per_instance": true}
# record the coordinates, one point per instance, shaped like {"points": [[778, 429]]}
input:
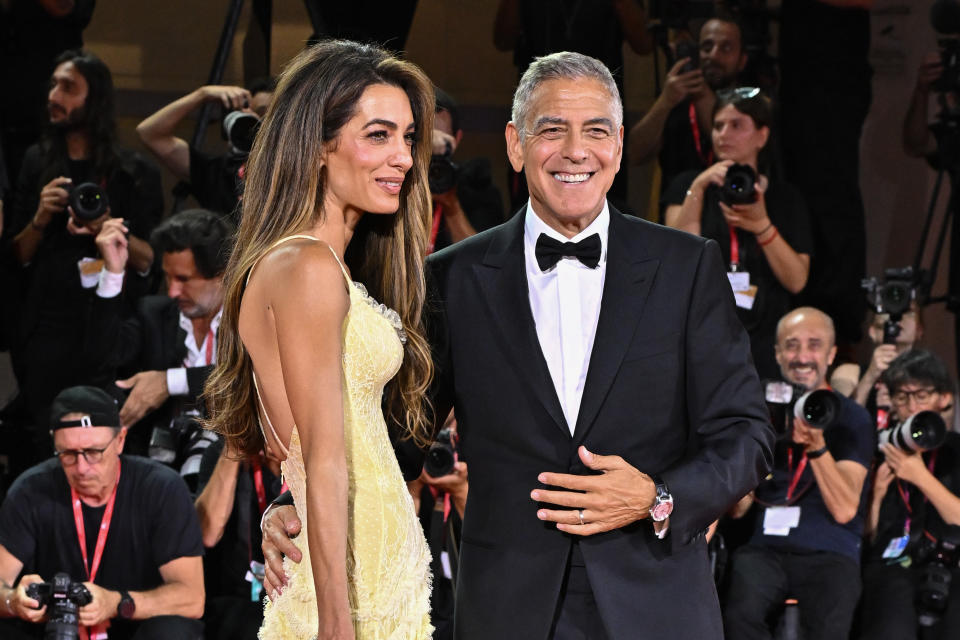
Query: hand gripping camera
{"points": [[64, 598], [818, 408]]}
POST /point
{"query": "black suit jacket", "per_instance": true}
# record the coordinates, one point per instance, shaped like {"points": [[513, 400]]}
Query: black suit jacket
{"points": [[150, 339], [670, 388]]}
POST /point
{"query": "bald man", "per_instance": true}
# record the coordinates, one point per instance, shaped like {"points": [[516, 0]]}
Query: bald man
{"points": [[810, 511]]}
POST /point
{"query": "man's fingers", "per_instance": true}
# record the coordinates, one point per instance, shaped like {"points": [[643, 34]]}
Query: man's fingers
{"points": [[582, 529], [568, 481], [562, 498], [600, 463], [129, 382], [562, 516]]}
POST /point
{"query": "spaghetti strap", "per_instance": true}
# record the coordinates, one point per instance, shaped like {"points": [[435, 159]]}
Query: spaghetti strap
{"points": [[262, 409]]}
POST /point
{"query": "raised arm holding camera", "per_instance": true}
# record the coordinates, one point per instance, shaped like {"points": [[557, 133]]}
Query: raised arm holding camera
{"points": [[762, 226], [806, 543], [912, 565]]}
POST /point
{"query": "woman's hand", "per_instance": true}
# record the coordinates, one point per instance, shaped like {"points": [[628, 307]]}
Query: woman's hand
{"points": [[712, 175], [749, 217]]}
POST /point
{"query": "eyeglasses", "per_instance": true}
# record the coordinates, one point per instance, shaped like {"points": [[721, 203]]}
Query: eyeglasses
{"points": [[901, 398], [738, 93], [93, 456]]}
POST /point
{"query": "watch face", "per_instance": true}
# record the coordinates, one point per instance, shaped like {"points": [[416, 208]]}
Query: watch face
{"points": [[126, 608], [661, 510]]}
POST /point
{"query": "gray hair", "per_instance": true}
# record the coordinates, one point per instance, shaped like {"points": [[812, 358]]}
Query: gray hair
{"points": [[556, 66]]}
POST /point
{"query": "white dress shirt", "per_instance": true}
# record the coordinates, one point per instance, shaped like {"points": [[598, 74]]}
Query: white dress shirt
{"points": [[111, 284], [565, 301]]}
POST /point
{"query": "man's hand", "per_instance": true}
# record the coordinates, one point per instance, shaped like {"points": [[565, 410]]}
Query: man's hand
{"points": [[906, 466], [27, 608], [454, 483], [113, 245], [101, 608], [882, 479], [78, 227], [679, 84], [443, 142], [53, 200], [281, 524], [232, 98], [749, 217], [619, 496], [448, 201], [148, 390], [810, 437]]}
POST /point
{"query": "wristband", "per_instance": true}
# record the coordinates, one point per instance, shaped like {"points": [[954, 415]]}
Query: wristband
{"points": [[773, 237], [816, 453], [765, 229], [691, 194]]}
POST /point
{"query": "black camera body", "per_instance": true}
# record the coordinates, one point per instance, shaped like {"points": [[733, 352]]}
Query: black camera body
{"points": [[739, 185], [88, 200], [64, 597], [442, 455], [892, 294], [240, 130], [443, 172], [818, 408], [688, 49], [937, 563]]}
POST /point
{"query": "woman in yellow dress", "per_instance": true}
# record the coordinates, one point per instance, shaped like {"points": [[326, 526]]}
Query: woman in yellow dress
{"points": [[336, 194]]}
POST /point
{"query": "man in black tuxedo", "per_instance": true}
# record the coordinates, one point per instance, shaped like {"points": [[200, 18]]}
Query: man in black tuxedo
{"points": [[167, 346], [600, 378]]}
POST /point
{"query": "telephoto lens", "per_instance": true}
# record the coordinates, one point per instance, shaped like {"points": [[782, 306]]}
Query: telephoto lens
{"points": [[240, 130], [920, 432], [818, 408]]}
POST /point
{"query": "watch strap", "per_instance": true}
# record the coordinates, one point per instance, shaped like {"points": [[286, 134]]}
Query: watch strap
{"points": [[816, 453]]}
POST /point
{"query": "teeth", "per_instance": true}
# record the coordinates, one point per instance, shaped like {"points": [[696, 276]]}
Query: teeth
{"points": [[571, 177]]}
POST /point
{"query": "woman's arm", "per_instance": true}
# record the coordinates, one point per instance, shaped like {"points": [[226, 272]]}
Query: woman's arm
{"points": [[689, 215], [309, 305]]}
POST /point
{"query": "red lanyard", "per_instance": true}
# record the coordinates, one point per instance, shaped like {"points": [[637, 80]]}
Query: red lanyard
{"points": [[905, 493], [734, 250], [695, 130], [258, 484], [797, 473], [98, 631], [435, 227]]}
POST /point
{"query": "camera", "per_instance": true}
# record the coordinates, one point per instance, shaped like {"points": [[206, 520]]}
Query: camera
{"points": [[933, 586], [688, 49], [442, 455], [442, 174], [818, 408], [240, 130], [88, 200], [949, 79], [739, 185], [64, 597], [892, 294], [920, 432]]}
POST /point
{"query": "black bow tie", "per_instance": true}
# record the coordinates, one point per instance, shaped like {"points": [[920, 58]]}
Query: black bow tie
{"points": [[549, 251]]}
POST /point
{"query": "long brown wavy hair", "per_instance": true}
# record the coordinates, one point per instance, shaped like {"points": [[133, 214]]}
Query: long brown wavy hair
{"points": [[316, 96]]}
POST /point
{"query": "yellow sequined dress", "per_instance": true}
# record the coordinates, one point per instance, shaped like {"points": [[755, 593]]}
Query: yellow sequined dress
{"points": [[388, 560]]}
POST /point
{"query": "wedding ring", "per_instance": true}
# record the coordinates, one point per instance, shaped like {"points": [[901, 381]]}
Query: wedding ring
{"points": [[580, 513]]}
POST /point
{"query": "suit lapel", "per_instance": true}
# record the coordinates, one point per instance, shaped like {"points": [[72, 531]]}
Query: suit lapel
{"points": [[503, 280], [629, 277]]}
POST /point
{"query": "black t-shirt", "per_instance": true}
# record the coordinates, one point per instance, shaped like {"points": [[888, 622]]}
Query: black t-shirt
{"points": [[215, 182], [678, 153], [828, 45], [852, 437], [479, 198], [153, 523], [226, 563], [53, 293], [925, 518], [788, 213]]}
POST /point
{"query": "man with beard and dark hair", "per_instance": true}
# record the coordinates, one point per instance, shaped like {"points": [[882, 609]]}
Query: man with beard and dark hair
{"points": [[677, 126], [55, 250]]}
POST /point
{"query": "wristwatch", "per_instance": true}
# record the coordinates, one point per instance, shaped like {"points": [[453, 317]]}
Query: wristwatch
{"points": [[663, 502], [127, 606]]}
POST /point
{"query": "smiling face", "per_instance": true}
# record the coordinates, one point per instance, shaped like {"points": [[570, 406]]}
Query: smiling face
{"points": [[67, 95], [736, 136], [805, 348], [366, 164], [571, 151]]}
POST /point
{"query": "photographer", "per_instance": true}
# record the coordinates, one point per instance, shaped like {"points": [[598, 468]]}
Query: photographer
{"points": [[168, 346], [464, 198], [765, 239], [121, 525], [806, 543], [678, 125], [214, 180], [914, 504], [54, 242]]}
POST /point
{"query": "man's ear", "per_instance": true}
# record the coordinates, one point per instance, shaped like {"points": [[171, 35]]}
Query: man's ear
{"points": [[743, 62], [121, 439], [514, 147], [831, 355]]}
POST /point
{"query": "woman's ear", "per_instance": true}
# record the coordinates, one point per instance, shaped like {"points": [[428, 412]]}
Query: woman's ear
{"points": [[764, 136]]}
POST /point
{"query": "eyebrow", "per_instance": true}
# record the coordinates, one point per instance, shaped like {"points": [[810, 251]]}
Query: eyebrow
{"points": [[544, 120], [387, 123]]}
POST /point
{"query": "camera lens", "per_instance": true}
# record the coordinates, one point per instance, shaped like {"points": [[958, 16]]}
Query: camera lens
{"points": [[817, 408], [240, 129], [739, 185], [920, 432], [88, 201]]}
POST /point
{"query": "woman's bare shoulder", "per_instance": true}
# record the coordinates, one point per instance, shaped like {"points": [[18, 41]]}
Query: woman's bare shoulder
{"points": [[303, 268]]}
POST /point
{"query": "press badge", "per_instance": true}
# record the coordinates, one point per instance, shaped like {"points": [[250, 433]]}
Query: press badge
{"points": [[445, 561], [739, 280], [777, 521], [896, 547]]}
